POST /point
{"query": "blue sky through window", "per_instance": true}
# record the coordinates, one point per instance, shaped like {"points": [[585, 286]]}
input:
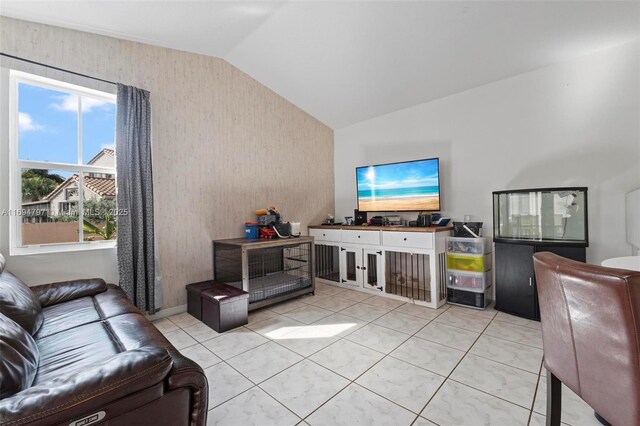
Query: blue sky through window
{"points": [[48, 125]]}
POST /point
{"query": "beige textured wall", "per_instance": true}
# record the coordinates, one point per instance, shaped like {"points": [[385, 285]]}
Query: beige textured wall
{"points": [[224, 145]]}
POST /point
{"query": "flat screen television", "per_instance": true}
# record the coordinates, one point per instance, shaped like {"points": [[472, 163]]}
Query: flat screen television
{"points": [[399, 187]]}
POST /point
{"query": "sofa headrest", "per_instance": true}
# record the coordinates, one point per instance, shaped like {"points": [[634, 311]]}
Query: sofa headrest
{"points": [[18, 302], [19, 360]]}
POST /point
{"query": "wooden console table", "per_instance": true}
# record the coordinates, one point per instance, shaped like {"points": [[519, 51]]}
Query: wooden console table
{"points": [[404, 263]]}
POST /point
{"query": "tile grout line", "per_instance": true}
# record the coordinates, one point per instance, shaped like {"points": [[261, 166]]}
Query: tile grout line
{"points": [[451, 372], [353, 381], [376, 363], [309, 356], [366, 322], [535, 394]]}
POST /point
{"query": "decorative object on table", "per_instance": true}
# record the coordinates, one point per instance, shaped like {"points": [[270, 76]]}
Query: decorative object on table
{"points": [[424, 220], [377, 221], [295, 229], [251, 229], [527, 221], [348, 220], [360, 217], [329, 220], [267, 233], [469, 277], [270, 225], [282, 230], [436, 219], [393, 220]]}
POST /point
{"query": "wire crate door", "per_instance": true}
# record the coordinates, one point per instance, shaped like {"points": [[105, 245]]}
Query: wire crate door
{"points": [[350, 266], [328, 262], [372, 267], [408, 275]]}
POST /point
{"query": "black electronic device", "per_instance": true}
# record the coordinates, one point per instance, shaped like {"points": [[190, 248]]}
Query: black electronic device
{"points": [[360, 218], [424, 220], [377, 221]]}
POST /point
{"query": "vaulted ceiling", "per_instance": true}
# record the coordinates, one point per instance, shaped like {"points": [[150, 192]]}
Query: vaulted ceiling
{"points": [[347, 61]]}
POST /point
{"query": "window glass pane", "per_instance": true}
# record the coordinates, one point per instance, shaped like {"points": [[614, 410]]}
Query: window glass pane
{"points": [[98, 132], [47, 125], [99, 207], [49, 212]]}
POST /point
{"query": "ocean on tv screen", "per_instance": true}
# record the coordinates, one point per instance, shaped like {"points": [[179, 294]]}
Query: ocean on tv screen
{"points": [[410, 186]]}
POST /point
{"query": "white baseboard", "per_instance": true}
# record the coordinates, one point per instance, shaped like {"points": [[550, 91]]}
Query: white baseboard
{"points": [[163, 313]]}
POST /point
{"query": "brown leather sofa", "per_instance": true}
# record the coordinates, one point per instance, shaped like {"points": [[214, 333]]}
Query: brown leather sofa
{"points": [[79, 353]]}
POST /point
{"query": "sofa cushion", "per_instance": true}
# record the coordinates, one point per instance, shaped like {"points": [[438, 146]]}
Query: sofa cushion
{"points": [[18, 358], [18, 302], [66, 316], [79, 348], [113, 302]]}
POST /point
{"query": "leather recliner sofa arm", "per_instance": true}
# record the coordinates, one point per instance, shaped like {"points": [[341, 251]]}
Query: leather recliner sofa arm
{"points": [[54, 293], [186, 373], [88, 390]]}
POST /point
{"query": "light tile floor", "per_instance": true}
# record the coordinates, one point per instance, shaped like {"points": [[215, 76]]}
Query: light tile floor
{"points": [[343, 357]]}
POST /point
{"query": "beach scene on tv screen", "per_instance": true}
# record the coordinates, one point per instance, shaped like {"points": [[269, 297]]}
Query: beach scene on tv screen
{"points": [[409, 186]]}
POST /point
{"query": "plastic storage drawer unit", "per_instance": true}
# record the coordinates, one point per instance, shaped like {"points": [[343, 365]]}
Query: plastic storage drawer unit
{"points": [[469, 298], [468, 245], [469, 262], [469, 281]]}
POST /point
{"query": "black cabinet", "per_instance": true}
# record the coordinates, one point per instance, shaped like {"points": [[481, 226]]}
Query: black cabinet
{"points": [[515, 279], [515, 287]]}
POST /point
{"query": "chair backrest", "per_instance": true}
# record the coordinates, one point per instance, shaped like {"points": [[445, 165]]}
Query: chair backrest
{"points": [[591, 333]]}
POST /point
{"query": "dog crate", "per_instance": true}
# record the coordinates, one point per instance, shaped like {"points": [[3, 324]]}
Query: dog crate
{"points": [[328, 262], [270, 270], [410, 275]]}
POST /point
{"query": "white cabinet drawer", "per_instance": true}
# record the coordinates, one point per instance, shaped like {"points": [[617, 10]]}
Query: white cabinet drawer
{"points": [[361, 237], [419, 240], [325, 234]]}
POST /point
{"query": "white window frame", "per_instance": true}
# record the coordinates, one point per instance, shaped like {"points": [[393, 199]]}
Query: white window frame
{"points": [[16, 165]]}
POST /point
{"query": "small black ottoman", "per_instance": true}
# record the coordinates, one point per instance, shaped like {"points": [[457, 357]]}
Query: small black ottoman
{"points": [[225, 307], [194, 296]]}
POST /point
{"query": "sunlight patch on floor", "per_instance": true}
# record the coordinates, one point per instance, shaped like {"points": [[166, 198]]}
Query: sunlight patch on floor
{"points": [[309, 331]]}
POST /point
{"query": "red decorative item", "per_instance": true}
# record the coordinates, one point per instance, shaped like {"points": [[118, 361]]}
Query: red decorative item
{"points": [[267, 233]]}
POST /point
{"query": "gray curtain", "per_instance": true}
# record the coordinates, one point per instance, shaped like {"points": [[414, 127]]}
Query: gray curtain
{"points": [[136, 248]]}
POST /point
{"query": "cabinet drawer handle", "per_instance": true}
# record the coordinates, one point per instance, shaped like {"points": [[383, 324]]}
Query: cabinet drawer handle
{"points": [[358, 236], [530, 282], [405, 239]]}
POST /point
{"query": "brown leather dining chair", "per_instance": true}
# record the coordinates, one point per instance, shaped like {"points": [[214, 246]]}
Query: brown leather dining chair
{"points": [[591, 336]]}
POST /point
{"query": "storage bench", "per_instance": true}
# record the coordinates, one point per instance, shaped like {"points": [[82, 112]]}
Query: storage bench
{"points": [[220, 306]]}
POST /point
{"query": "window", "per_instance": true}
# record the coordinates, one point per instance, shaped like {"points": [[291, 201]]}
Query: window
{"points": [[63, 176], [71, 193], [67, 207]]}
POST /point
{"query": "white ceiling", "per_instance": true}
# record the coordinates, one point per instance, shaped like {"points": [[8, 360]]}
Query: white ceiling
{"points": [[347, 61]]}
